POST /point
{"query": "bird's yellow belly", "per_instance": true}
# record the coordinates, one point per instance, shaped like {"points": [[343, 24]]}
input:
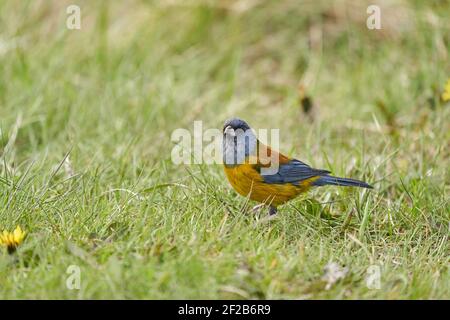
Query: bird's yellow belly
{"points": [[249, 183]]}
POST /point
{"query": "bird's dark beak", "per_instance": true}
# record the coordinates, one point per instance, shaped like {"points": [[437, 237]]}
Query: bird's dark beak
{"points": [[229, 131]]}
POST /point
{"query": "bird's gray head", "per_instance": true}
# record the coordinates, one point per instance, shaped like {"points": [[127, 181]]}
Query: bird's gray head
{"points": [[235, 124], [239, 141]]}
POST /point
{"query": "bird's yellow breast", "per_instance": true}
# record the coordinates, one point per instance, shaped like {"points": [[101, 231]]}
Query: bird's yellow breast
{"points": [[247, 181]]}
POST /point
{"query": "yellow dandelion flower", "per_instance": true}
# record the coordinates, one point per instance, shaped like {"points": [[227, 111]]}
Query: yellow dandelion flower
{"points": [[11, 240], [446, 93]]}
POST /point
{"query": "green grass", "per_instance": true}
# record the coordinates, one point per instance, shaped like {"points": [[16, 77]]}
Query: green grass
{"points": [[86, 118]]}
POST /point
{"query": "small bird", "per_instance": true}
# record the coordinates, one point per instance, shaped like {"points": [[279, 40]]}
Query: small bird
{"points": [[246, 161]]}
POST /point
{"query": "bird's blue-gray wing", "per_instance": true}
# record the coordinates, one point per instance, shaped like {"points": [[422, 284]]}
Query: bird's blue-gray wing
{"points": [[294, 172]]}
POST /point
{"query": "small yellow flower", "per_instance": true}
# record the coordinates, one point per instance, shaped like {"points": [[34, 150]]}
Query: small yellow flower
{"points": [[446, 93], [11, 240]]}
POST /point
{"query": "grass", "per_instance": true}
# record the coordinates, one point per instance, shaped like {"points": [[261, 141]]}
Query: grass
{"points": [[86, 117]]}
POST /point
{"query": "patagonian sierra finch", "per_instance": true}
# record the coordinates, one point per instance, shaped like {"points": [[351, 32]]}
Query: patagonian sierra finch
{"points": [[247, 164]]}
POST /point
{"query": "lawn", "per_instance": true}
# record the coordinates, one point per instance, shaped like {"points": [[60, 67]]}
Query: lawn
{"points": [[86, 117]]}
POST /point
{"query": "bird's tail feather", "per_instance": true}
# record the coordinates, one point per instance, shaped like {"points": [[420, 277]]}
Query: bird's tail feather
{"points": [[336, 181]]}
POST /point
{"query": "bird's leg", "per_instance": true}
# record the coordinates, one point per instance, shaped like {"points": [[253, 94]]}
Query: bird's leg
{"points": [[272, 210], [257, 207]]}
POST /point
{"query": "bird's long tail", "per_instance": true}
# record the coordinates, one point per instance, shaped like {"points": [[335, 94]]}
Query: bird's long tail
{"points": [[336, 181]]}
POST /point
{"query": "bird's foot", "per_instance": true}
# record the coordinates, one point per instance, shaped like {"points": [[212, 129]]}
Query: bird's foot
{"points": [[257, 207], [272, 211], [272, 216]]}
